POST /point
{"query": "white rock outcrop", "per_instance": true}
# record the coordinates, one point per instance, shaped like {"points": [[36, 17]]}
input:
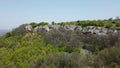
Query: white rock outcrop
{"points": [[86, 30], [28, 28]]}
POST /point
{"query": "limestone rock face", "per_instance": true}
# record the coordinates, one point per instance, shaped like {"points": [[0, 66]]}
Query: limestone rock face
{"points": [[36, 29], [28, 28], [41, 28], [56, 27], [69, 27], [78, 28], [98, 30], [86, 30]]}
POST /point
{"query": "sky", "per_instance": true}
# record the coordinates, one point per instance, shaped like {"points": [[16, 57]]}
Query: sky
{"points": [[16, 12]]}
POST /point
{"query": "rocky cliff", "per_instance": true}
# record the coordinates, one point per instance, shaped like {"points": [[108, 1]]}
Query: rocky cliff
{"points": [[85, 30]]}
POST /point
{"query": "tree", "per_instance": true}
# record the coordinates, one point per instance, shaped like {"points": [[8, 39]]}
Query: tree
{"points": [[33, 24], [62, 24], [118, 24], [110, 19], [108, 25], [117, 18], [8, 34], [109, 57], [53, 23]]}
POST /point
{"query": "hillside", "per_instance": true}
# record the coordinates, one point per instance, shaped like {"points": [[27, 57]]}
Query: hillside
{"points": [[76, 44]]}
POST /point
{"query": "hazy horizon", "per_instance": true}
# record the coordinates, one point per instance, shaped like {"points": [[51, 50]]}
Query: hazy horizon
{"points": [[14, 13], [3, 31]]}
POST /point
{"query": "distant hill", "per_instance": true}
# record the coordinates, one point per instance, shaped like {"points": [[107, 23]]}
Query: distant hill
{"points": [[3, 31]]}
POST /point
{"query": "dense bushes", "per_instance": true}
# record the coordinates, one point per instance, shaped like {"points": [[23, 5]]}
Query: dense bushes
{"points": [[90, 42], [102, 23], [8, 34], [108, 25], [90, 23], [30, 51], [35, 51], [109, 58], [96, 43], [34, 24], [118, 24]]}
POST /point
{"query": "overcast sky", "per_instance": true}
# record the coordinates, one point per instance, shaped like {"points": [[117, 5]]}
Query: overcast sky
{"points": [[16, 12]]}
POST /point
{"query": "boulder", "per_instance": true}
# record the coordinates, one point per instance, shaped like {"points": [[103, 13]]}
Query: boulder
{"points": [[41, 28], [69, 27], [78, 28], [88, 29], [56, 27], [28, 28]]}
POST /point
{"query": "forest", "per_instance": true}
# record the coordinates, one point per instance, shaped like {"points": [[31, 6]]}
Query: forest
{"points": [[21, 48]]}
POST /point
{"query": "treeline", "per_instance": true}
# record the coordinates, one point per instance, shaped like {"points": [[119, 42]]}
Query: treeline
{"points": [[102, 23]]}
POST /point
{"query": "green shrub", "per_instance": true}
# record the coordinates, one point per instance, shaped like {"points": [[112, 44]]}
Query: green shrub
{"points": [[33, 24], [8, 34], [118, 24], [108, 25], [90, 23], [42, 24]]}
